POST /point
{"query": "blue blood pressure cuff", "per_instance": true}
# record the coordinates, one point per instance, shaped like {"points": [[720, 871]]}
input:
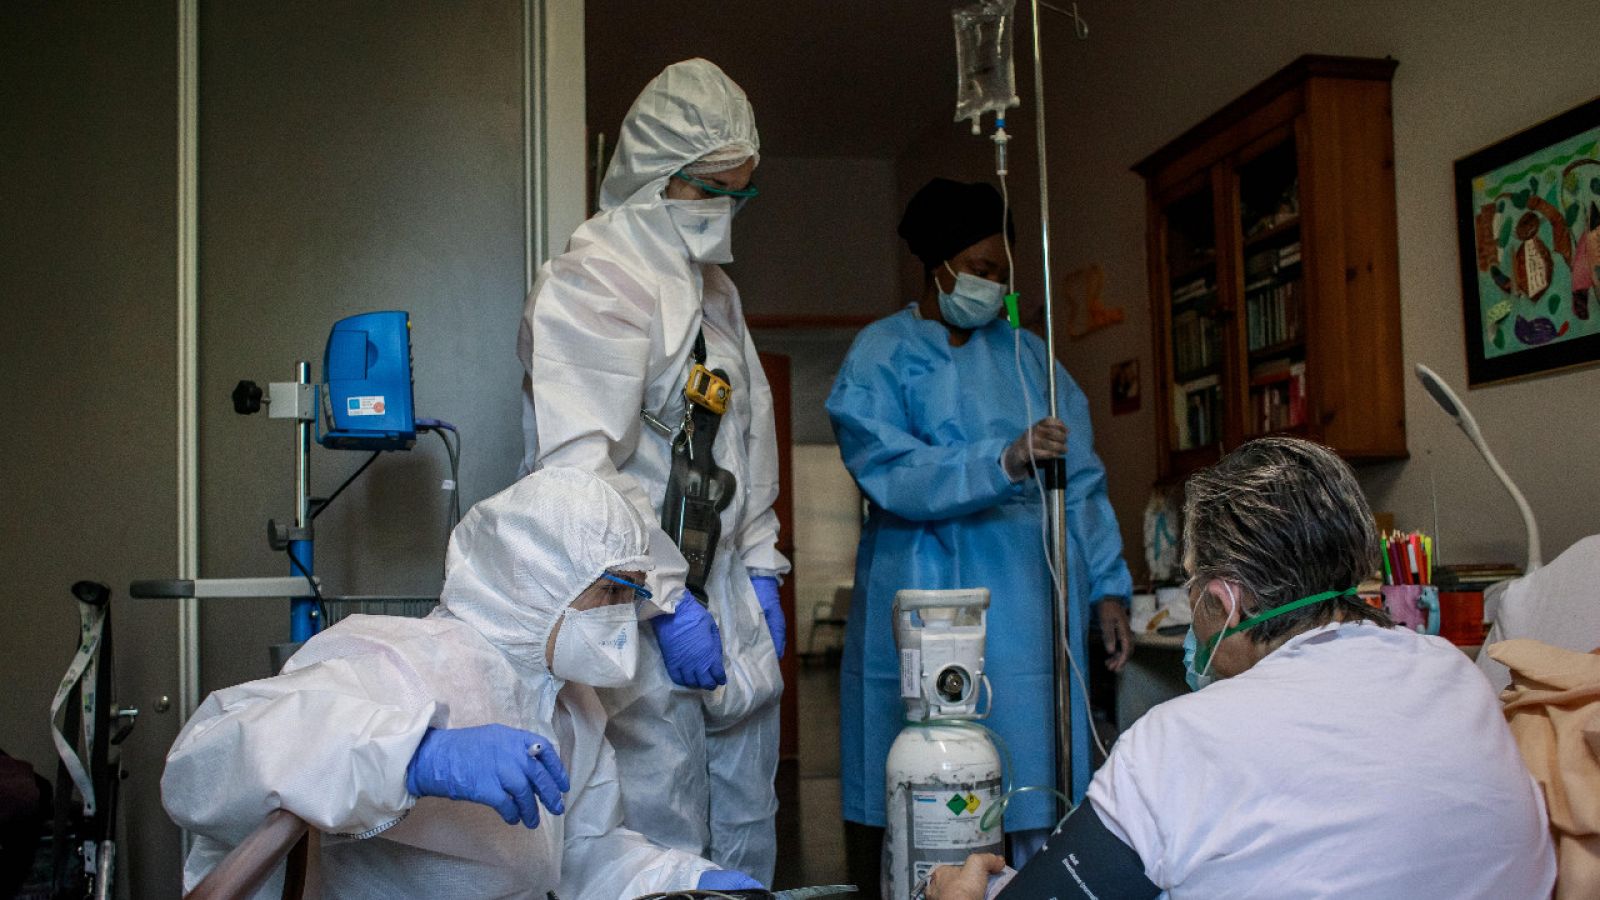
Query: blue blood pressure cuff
{"points": [[1082, 860]]}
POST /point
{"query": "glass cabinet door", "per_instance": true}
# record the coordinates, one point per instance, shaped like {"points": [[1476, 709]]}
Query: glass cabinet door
{"points": [[1195, 327], [1273, 312]]}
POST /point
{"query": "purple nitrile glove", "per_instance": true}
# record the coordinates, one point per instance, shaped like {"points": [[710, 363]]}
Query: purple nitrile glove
{"points": [[492, 765], [727, 880], [691, 644], [767, 592]]}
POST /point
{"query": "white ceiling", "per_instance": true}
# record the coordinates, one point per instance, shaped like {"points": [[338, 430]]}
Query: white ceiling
{"points": [[857, 78]]}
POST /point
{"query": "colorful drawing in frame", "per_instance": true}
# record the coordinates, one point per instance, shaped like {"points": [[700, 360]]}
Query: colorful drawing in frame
{"points": [[1528, 210]]}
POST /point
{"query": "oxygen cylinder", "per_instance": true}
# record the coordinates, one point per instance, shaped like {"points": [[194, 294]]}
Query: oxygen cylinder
{"points": [[943, 773], [941, 779]]}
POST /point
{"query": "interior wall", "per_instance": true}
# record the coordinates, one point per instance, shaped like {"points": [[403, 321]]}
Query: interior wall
{"points": [[819, 244], [564, 131], [88, 273], [353, 159], [1150, 71], [815, 356], [820, 240]]}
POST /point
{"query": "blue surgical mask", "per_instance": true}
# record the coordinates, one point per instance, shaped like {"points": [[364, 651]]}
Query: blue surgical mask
{"points": [[973, 302], [1195, 679]]}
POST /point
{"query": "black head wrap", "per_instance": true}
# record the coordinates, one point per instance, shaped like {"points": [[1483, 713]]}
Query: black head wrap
{"points": [[946, 217]]}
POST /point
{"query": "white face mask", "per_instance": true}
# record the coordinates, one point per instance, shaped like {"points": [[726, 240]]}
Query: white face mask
{"points": [[972, 302], [706, 227], [598, 647]]}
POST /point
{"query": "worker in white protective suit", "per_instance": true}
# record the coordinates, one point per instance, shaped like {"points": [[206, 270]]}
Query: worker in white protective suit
{"points": [[423, 748], [609, 337]]}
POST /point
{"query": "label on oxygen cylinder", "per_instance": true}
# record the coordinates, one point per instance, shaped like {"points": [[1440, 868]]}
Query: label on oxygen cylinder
{"points": [[944, 827], [910, 673], [947, 818]]}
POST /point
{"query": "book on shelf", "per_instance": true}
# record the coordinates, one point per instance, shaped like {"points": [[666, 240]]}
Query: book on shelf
{"points": [[1270, 263], [1474, 576], [1197, 412], [1277, 396], [1192, 289], [1194, 343], [1287, 210], [1260, 268], [1273, 314]]}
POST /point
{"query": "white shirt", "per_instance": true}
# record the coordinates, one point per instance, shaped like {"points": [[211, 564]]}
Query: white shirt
{"points": [[1354, 761]]}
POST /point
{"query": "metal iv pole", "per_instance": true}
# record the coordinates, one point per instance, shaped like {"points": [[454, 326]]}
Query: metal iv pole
{"points": [[1055, 470]]}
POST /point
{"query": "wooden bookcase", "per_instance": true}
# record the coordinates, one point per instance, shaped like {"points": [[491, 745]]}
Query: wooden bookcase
{"points": [[1274, 282]]}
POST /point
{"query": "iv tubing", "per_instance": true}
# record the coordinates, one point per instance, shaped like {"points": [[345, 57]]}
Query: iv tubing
{"points": [[1056, 576]]}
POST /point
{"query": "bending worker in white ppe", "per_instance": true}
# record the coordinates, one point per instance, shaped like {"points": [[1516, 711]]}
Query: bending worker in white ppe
{"points": [[610, 336], [1335, 756], [423, 748]]}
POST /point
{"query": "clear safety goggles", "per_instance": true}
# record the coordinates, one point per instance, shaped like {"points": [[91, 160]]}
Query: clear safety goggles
{"points": [[740, 194]]}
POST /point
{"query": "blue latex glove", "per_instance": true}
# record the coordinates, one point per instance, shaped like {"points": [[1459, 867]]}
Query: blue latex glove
{"points": [[489, 764], [691, 645], [727, 880], [767, 592]]}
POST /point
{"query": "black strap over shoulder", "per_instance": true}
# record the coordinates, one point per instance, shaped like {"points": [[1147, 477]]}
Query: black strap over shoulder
{"points": [[700, 345], [1082, 860]]}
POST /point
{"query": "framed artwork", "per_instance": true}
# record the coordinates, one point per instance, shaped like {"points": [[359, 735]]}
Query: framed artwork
{"points": [[1125, 387], [1083, 289], [1528, 213]]}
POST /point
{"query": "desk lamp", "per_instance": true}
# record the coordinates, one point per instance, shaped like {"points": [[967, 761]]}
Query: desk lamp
{"points": [[1455, 409]]}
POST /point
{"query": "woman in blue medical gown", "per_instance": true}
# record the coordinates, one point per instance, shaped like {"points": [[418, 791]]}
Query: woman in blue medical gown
{"points": [[933, 420]]}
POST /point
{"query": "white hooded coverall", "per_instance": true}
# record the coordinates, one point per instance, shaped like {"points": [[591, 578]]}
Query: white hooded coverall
{"points": [[607, 332], [330, 738]]}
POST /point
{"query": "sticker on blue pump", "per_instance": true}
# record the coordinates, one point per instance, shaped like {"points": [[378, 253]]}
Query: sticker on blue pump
{"points": [[365, 406]]}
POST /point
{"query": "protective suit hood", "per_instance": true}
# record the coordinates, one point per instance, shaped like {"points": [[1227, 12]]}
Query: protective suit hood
{"points": [[521, 556], [688, 111]]}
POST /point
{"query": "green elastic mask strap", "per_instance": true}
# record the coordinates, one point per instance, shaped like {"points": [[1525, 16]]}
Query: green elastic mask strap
{"points": [[712, 189], [1202, 661]]}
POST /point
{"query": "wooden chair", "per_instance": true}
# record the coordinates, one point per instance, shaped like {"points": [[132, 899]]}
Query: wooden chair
{"points": [[248, 866]]}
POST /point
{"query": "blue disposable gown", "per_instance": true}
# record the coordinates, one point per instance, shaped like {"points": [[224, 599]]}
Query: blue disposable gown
{"points": [[921, 426]]}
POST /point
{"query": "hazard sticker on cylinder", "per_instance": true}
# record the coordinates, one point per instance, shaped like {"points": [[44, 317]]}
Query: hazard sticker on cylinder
{"points": [[946, 818]]}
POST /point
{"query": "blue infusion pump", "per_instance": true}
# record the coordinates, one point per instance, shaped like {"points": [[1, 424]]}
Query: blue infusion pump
{"points": [[366, 383]]}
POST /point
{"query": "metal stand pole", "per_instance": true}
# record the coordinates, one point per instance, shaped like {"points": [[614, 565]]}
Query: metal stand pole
{"points": [[1055, 472], [302, 610]]}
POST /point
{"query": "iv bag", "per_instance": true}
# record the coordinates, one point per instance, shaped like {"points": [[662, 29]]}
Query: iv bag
{"points": [[986, 80]]}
